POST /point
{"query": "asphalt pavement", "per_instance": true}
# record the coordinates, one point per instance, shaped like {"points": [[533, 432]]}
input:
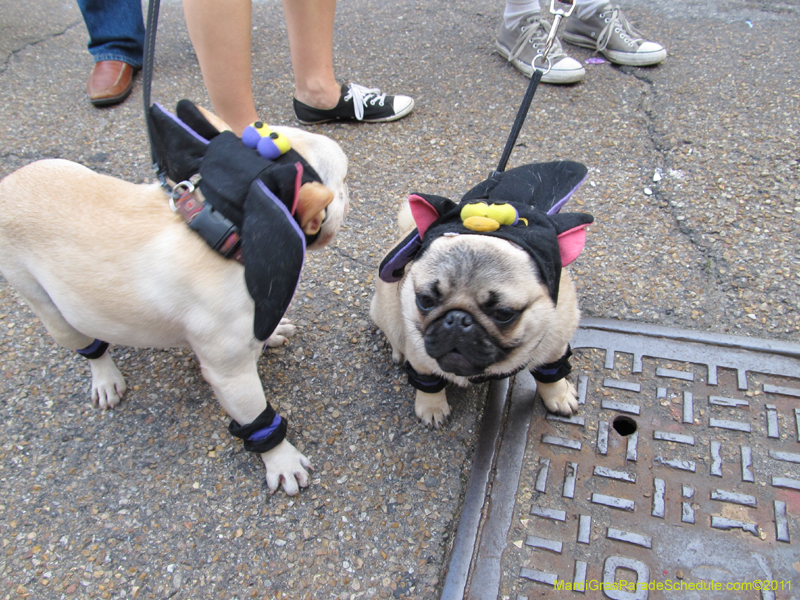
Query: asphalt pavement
{"points": [[693, 182]]}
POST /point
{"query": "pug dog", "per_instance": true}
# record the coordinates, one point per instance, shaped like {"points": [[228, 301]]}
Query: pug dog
{"points": [[100, 260], [476, 290]]}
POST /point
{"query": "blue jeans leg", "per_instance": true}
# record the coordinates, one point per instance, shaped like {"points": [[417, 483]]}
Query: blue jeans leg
{"points": [[116, 30]]}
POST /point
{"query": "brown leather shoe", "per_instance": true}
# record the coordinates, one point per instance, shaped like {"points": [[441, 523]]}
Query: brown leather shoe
{"points": [[110, 82]]}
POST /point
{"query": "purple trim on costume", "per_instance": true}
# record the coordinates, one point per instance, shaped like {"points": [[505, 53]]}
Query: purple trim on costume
{"points": [[296, 227], [192, 132], [263, 434], [400, 260], [91, 348], [560, 204]]}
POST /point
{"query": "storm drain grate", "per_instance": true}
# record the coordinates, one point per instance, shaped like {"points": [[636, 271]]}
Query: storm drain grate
{"points": [[679, 475]]}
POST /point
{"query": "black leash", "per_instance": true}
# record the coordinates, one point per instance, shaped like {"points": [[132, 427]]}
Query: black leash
{"points": [[147, 72], [536, 77]]}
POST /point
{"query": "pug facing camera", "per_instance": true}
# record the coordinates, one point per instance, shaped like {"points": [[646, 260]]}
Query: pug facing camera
{"points": [[476, 290]]}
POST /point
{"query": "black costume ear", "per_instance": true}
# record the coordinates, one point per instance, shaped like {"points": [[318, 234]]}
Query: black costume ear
{"points": [[543, 186], [260, 196], [271, 276], [179, 148], [191, 115]]}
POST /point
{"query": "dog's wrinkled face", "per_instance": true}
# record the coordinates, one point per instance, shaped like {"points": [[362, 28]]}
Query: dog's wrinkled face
{"points": [[476, 305]]}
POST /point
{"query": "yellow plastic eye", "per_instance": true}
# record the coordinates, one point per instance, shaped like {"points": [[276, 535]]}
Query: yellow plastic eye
{"points": [[261, 128], [281, 141], [505, 214], [479, 209], [481, 224]]}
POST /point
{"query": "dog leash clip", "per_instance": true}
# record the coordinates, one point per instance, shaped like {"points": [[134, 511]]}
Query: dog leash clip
{"points": [[184, 187], [560, 9]]}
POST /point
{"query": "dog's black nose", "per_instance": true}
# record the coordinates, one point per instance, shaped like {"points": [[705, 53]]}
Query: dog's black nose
{"points": [[458, 320]]}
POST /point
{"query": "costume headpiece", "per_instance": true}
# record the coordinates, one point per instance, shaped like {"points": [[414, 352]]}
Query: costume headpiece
{"points": [[520, 205]]}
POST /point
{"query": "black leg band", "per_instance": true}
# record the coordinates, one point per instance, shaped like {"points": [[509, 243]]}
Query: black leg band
{"points": [[426, 383], [554, 371], [263, 434], [94, 350]]}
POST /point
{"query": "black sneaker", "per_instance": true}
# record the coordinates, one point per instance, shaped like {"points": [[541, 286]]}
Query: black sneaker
{"points": [[357, 103]]}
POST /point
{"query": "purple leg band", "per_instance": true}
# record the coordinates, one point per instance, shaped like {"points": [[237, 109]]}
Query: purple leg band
{"points": [[94, 350]]}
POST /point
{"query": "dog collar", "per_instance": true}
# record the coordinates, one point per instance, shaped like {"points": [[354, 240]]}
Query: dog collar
{"points": [[521, 206]]}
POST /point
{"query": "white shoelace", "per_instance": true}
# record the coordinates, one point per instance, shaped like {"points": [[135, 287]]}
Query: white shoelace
{"points": [[536, 33], [361, 96], [619, 24]]}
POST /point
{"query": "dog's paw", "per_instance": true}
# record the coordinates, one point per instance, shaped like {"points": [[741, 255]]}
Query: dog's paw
{"points": [[286, 467], [282, 333], [559, 397], [432, 409], [108, 384]]}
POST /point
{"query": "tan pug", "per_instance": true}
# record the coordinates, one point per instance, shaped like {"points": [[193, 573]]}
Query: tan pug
{"points": [[97, 258], [476, 291]]}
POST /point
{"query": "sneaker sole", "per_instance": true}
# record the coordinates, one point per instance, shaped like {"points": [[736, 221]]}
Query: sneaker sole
{"points": [[394, 117], [554, 77], [633, 59], [388, 119]]}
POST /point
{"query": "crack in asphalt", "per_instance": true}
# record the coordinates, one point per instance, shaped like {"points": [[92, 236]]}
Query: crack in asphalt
{"points": [[711, 262], [7, 60], [343, 254]]}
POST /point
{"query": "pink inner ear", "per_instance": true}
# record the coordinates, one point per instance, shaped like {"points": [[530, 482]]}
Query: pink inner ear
{"points": [[423, 212], [571, 243]]}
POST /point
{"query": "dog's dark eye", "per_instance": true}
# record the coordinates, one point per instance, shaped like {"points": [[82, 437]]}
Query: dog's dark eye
{"points": [[504, 316], [425, 302]]}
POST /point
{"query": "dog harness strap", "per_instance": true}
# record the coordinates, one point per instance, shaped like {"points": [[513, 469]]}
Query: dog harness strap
{"points": [[429, 384], [94, 350], [554, 371], [218, 232], [263, 434]]}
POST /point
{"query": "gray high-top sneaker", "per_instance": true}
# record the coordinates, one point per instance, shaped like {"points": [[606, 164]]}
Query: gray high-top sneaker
{"points": [[525, 42], [609, 32]]}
